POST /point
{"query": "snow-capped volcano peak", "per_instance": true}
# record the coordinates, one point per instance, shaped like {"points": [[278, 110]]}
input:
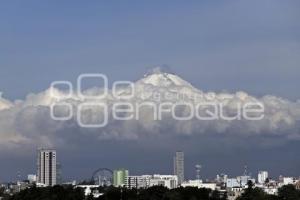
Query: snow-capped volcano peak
{"points": [[159, 76], [159, 70]]}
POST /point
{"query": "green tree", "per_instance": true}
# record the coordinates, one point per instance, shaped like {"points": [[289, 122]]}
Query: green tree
{"points": [[288, 192], [2, 189], [153, 193], [50, 193], [252, 193]]}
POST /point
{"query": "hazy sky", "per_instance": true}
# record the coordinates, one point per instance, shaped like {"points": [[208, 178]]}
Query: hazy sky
{"points": [[224, 45], [216, 45]]}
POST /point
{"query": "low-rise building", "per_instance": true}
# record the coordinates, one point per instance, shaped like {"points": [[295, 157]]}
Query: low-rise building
{"points": [[271, 190], [199, 184], [288, 180], [90, 189], [169, 181], [137, 181], [234, 192], [240, 181], [145, 181], [32, 178], [297, 185]]}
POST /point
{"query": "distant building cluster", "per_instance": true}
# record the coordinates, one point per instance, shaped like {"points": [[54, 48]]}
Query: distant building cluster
{"points": [[49, 174]]}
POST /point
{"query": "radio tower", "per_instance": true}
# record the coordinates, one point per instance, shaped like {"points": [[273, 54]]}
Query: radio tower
{"points": [[19, 176], [198, 169], [245, 170]]}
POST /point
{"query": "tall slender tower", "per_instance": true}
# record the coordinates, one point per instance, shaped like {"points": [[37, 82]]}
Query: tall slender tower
{"points": [[46, 164], [179, 166], [198, 169]]}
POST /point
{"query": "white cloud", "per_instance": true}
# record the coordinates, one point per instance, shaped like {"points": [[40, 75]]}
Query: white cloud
{"points": [[28, 122]]}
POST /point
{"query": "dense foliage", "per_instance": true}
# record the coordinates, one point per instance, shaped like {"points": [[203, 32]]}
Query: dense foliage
{"points": [[112, 193], [49, 193], [287, 192], [154, 193], [159, 193]]}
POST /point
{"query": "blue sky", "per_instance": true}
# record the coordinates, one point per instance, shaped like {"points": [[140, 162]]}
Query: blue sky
{"points": [[216, 45], [253, 46]]}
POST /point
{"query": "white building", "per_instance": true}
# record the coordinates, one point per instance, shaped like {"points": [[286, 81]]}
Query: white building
{"points": [[31, 178], [234, 193], [222, 178], [288, 180], [240, 181], [262, 177], [46, 164], [232, 182], [90, 189], [271, 190], [145, 181], [169, 181], [199, 184], [138, 181]]}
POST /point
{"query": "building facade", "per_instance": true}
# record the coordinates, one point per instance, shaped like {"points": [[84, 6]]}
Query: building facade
{"points": [[168, 181], [240, 181], [179, 166], [46, 167], [146, 181], [262, 177], [137, 181], [32, 178], [199, 184], [119, 177]]}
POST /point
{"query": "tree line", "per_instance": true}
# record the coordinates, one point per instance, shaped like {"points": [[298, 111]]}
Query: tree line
{"points": [[288, 192]]}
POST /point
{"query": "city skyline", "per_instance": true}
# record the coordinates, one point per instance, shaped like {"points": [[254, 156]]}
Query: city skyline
{"points": [[47, 163]]}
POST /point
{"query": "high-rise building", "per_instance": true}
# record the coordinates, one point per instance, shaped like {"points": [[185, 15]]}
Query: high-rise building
{"points": [[179, 166], [262, 177], [58, 173], [46, 165], [119, 177]]}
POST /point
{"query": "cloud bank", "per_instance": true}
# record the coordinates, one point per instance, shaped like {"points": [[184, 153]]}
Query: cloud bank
{"points": [[28, 121]]}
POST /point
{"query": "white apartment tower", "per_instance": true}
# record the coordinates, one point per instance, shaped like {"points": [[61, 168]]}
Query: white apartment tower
{"points": [[46, 165], [262, 176], [179, 166]]}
